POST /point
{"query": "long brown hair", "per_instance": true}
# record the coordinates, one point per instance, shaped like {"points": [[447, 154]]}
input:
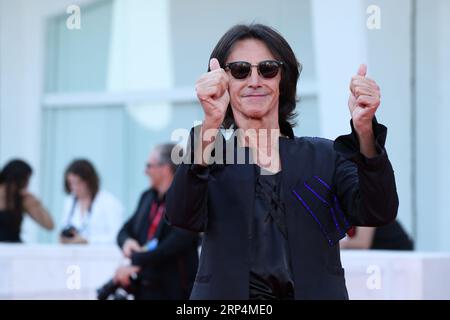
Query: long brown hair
{"points": [[15, 177], [86, 171]]}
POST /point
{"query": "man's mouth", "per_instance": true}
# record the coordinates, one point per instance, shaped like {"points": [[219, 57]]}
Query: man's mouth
{"points": [[255, 95]]}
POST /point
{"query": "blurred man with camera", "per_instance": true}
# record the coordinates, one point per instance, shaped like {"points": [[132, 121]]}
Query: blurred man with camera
{"points": [[163, 258]]}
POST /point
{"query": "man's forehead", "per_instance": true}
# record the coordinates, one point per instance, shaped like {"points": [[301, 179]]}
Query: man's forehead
{"points": [[154, 156]]}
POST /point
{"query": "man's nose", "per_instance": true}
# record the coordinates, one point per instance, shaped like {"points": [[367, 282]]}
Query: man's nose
{"points": [[254, 80]]}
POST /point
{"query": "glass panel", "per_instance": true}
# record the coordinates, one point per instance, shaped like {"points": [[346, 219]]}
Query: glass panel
{"points": [[192, 43], [77, 60], [114, 52]]}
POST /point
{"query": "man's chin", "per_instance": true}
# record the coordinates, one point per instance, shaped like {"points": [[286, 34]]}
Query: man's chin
{"points": [[255, 116], [255, 112]]}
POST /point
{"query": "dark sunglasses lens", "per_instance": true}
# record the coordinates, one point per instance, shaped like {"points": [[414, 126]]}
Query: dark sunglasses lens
{"points": [[240, 70], [269, 69]]}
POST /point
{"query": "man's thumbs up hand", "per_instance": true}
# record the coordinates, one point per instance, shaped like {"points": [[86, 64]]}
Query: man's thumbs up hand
{"points": [[214, 64], [364, 100], [212, 91], [362, 71]]}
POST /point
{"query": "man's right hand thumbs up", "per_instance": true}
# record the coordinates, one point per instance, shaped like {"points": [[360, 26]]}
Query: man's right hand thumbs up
{"points": [[214, 64], [212, 92]]}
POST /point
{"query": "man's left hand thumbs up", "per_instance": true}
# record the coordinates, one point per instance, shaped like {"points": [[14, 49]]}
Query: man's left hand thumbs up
{"points": [[364, 100]]}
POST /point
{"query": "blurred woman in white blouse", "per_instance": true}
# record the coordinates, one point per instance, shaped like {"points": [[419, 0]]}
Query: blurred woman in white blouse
{"points": [[90, 215]]}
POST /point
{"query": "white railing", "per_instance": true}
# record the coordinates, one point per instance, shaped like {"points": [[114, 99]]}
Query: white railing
{"points": [[55, 271], [390, 275], [75, 272]]}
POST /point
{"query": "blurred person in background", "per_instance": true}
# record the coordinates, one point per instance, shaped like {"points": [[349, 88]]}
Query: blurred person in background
{"points": [[164, 259], [91, 215], [16, 200], [389, 237]]}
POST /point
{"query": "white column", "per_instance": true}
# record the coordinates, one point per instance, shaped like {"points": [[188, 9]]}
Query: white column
{"points": [[433, 114], [141, 56], [21, 57], [20, 82], [443, 154], [340, 47], [389, 59]]}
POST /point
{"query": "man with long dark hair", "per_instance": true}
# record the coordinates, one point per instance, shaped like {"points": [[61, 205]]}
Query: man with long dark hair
{"points": [[272, 224]]}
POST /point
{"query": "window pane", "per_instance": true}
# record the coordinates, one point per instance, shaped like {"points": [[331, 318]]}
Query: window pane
{"points": [[77, 60], [193, 43]]}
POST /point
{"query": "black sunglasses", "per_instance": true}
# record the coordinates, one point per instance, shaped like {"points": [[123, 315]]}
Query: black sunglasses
{"points": [[154, 165], [241, 69]]}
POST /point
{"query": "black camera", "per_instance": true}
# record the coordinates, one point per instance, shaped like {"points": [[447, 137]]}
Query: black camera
{"points": [[115, 291], [107, 290], [69, 232]]}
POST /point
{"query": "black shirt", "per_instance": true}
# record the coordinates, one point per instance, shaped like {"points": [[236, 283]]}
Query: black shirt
{"points": [[392, 237], [270, 272], [10, 224]]}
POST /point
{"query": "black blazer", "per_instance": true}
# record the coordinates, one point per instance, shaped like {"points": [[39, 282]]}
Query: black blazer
{"points": [[326, 188], [173, 264]]}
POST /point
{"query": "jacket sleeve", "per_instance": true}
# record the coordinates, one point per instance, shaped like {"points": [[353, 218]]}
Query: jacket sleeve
{"points": [[176, 242], [186, 205], [365, 187], [127, 229]]}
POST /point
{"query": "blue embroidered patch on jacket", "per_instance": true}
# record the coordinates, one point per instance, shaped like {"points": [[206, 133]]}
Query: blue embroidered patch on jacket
{"points": [[328, 214]]}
